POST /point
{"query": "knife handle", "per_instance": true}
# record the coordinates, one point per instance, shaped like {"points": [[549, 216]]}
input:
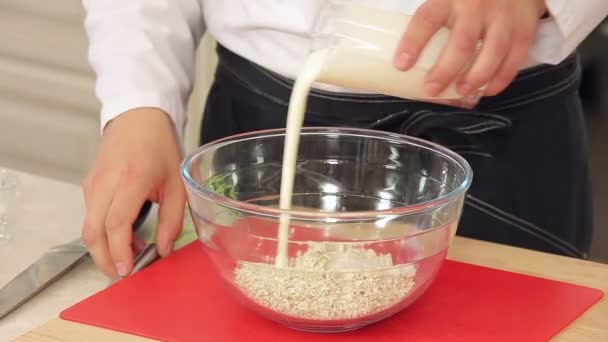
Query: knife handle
{"points": [[144, 258], [147, 256], [142, 215]]}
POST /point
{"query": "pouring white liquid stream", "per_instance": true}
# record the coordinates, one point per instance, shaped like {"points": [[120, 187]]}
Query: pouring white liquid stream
{"points": [[360, 60], [295, 119]]}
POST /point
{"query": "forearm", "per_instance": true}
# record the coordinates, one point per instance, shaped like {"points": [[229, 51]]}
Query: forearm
{"points": [[568, 24], [143, 54]]}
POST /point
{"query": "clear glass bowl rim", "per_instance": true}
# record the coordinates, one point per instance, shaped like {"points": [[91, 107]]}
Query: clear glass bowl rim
{"points": [[264, 211]]}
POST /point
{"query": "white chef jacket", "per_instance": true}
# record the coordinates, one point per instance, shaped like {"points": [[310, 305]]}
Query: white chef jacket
{"points": [[143, 50]]}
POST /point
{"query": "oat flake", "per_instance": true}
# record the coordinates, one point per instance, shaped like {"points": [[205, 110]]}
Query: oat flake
{"points": [[330, 281]]}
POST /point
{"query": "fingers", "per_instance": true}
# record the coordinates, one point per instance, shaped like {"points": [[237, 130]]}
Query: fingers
{"points": [[458, 53], [170, 215], [507, 30], [133, 189], [522, 39], [98, 194], [496, 47], [427, 20]]}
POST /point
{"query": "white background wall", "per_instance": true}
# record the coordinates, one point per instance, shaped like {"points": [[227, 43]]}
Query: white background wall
{"points": [[49, 122]]}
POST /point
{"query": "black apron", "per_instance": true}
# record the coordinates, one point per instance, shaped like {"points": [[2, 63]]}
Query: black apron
{"points": [[526, 146]]}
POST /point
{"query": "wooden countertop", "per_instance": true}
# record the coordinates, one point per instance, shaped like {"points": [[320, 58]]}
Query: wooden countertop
{"points": [[591, 326]]}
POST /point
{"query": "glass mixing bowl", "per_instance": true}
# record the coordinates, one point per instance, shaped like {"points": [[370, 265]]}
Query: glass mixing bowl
{"points": [[373, 215]]}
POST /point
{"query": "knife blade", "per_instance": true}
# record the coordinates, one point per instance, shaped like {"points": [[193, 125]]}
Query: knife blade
{"points": [[53, 264]]}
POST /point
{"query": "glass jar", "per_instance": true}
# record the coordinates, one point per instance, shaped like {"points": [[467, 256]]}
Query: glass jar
{"points": [[358, 39]]}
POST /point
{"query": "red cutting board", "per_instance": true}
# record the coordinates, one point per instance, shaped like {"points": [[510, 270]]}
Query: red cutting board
{"points": [[179, 298]]}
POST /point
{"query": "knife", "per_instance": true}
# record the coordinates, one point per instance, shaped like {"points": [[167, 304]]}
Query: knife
{"points": [[144, 258], [53, 264]]}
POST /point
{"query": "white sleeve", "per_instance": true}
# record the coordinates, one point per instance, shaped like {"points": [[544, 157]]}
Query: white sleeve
{"points": [[143, 53], [570, 22]]}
